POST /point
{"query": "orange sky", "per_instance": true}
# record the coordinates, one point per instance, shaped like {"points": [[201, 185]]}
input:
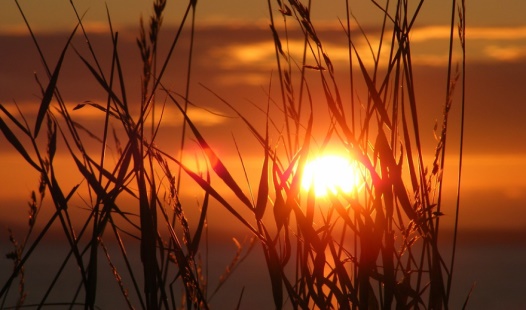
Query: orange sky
{"points": [[233, 54], [482, 13]]}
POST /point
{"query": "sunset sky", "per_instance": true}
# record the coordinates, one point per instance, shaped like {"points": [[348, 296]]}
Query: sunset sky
{"points": [[234, 56]]}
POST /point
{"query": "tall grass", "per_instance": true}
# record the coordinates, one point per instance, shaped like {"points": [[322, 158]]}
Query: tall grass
{"points": [[376, 247]]}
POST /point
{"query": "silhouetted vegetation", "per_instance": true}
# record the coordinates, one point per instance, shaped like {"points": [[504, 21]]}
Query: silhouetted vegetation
{"points": [[374, 248]]}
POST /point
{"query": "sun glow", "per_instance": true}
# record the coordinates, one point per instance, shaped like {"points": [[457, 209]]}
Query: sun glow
{"points": [[329, 173]]}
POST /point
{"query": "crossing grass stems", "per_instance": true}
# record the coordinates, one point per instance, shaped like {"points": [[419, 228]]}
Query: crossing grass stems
{"points": [[376, 248]]}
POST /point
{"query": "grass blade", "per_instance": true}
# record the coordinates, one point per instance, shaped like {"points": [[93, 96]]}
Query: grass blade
{"points": [[217, 165], [10, 136], [50, 90], [261, 202], [14, 120], [202, 220], [207, 187]]}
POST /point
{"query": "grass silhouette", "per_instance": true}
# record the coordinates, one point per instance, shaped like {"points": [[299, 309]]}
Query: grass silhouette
{"points": [[372, 248]]}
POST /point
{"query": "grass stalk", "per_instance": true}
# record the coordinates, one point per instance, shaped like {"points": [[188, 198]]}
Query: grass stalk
{"points": [[375, 247]]}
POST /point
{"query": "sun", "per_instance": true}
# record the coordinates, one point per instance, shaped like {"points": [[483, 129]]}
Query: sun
{"points": [[329, 173]]}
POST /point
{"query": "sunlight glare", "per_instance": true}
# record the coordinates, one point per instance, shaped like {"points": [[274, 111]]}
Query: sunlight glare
{"points": [[329, 173]]}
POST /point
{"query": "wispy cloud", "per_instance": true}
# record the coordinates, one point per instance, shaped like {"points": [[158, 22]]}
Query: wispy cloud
{"points": [[487, 43], [430, 46], [169, 115], [428, 33], [497, 33], [92, 27], [258, 54], [505, 53]]}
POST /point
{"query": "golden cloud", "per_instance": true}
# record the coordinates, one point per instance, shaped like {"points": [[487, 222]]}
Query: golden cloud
{"points": [[429, 48], [505, 53], [428, 33], [497, 33], [171, 116]]}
